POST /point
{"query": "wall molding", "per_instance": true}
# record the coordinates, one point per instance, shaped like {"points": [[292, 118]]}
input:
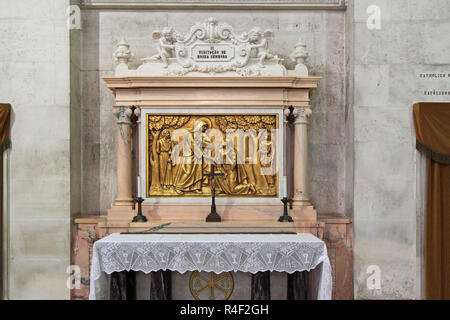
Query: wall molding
{"points": [[211, 4]]}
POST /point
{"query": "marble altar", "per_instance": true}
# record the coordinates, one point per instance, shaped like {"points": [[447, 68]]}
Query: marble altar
{"points": [[210, 72], [218, 253]]}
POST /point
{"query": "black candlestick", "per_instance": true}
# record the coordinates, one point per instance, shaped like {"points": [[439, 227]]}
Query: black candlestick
{"points": [[291, 117], [213, 216], [139, 217], [285, 217]]}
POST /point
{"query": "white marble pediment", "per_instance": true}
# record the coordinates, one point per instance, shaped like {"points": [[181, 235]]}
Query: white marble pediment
{"points": [[211, 48]]}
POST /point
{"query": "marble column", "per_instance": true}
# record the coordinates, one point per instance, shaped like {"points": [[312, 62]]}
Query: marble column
{"points": [[125, 176], [300, 181]]}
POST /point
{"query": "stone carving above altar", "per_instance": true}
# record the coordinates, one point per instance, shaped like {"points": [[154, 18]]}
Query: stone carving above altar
{"points": [[211, 48]]}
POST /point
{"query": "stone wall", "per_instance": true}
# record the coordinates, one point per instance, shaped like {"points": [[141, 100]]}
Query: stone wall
{"points": [[362, 141], [34, 64], [322, 31], [75, 118], [387, 66]]}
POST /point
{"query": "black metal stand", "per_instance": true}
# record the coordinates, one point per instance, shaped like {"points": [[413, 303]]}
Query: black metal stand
{"points": [[138, 199], [213, 216], [285, 217], [291, 117], [139, 217]]}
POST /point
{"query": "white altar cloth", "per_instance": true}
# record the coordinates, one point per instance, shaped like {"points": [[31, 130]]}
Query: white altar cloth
{"points": [[209, 252]]}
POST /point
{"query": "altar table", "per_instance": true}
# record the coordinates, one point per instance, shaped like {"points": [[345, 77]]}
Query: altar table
{"points": [[254, 253]]}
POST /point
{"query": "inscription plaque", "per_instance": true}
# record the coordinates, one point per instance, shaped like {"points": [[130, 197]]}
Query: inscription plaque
{"points": [[206, 53]]}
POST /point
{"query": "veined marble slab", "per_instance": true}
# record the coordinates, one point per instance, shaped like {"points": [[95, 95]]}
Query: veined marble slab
{"points": [[222, 227]]}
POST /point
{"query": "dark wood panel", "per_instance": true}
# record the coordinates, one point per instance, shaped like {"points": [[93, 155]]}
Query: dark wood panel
{"points": [[160, 285], [123, 285], [298, 287], [260, 287]]}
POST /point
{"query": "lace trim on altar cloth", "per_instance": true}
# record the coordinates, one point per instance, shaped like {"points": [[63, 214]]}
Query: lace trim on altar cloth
{"points": [[218, 257]]}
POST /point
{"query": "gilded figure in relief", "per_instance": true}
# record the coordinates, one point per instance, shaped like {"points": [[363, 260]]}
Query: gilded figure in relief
{"points": [[164, 150], [189, 174]]}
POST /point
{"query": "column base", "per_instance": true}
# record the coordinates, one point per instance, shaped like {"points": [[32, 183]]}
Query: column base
{"points": [[303, 212], [124, 202], [301, 202], [122, 212]]}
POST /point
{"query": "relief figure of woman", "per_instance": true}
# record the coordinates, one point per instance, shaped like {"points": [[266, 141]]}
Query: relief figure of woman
{"points": [[164, 149]]}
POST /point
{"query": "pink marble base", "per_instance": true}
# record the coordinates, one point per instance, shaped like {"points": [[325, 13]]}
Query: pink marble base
{"points": [[336, 231]]}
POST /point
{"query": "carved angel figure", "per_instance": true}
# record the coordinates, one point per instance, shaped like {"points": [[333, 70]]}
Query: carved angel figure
{"points": [[258, 41], [166, 45]]}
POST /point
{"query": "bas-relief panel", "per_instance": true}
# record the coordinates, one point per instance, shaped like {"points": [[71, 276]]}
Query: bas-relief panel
{"points": [[245, 167], [103, 28]]}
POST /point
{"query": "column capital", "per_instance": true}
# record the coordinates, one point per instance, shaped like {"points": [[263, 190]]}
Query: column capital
{"points": [[123, 114], [300, 114]]}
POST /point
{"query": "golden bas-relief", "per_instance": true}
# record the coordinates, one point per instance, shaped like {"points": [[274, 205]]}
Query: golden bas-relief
{"points": [[182, 148]]}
